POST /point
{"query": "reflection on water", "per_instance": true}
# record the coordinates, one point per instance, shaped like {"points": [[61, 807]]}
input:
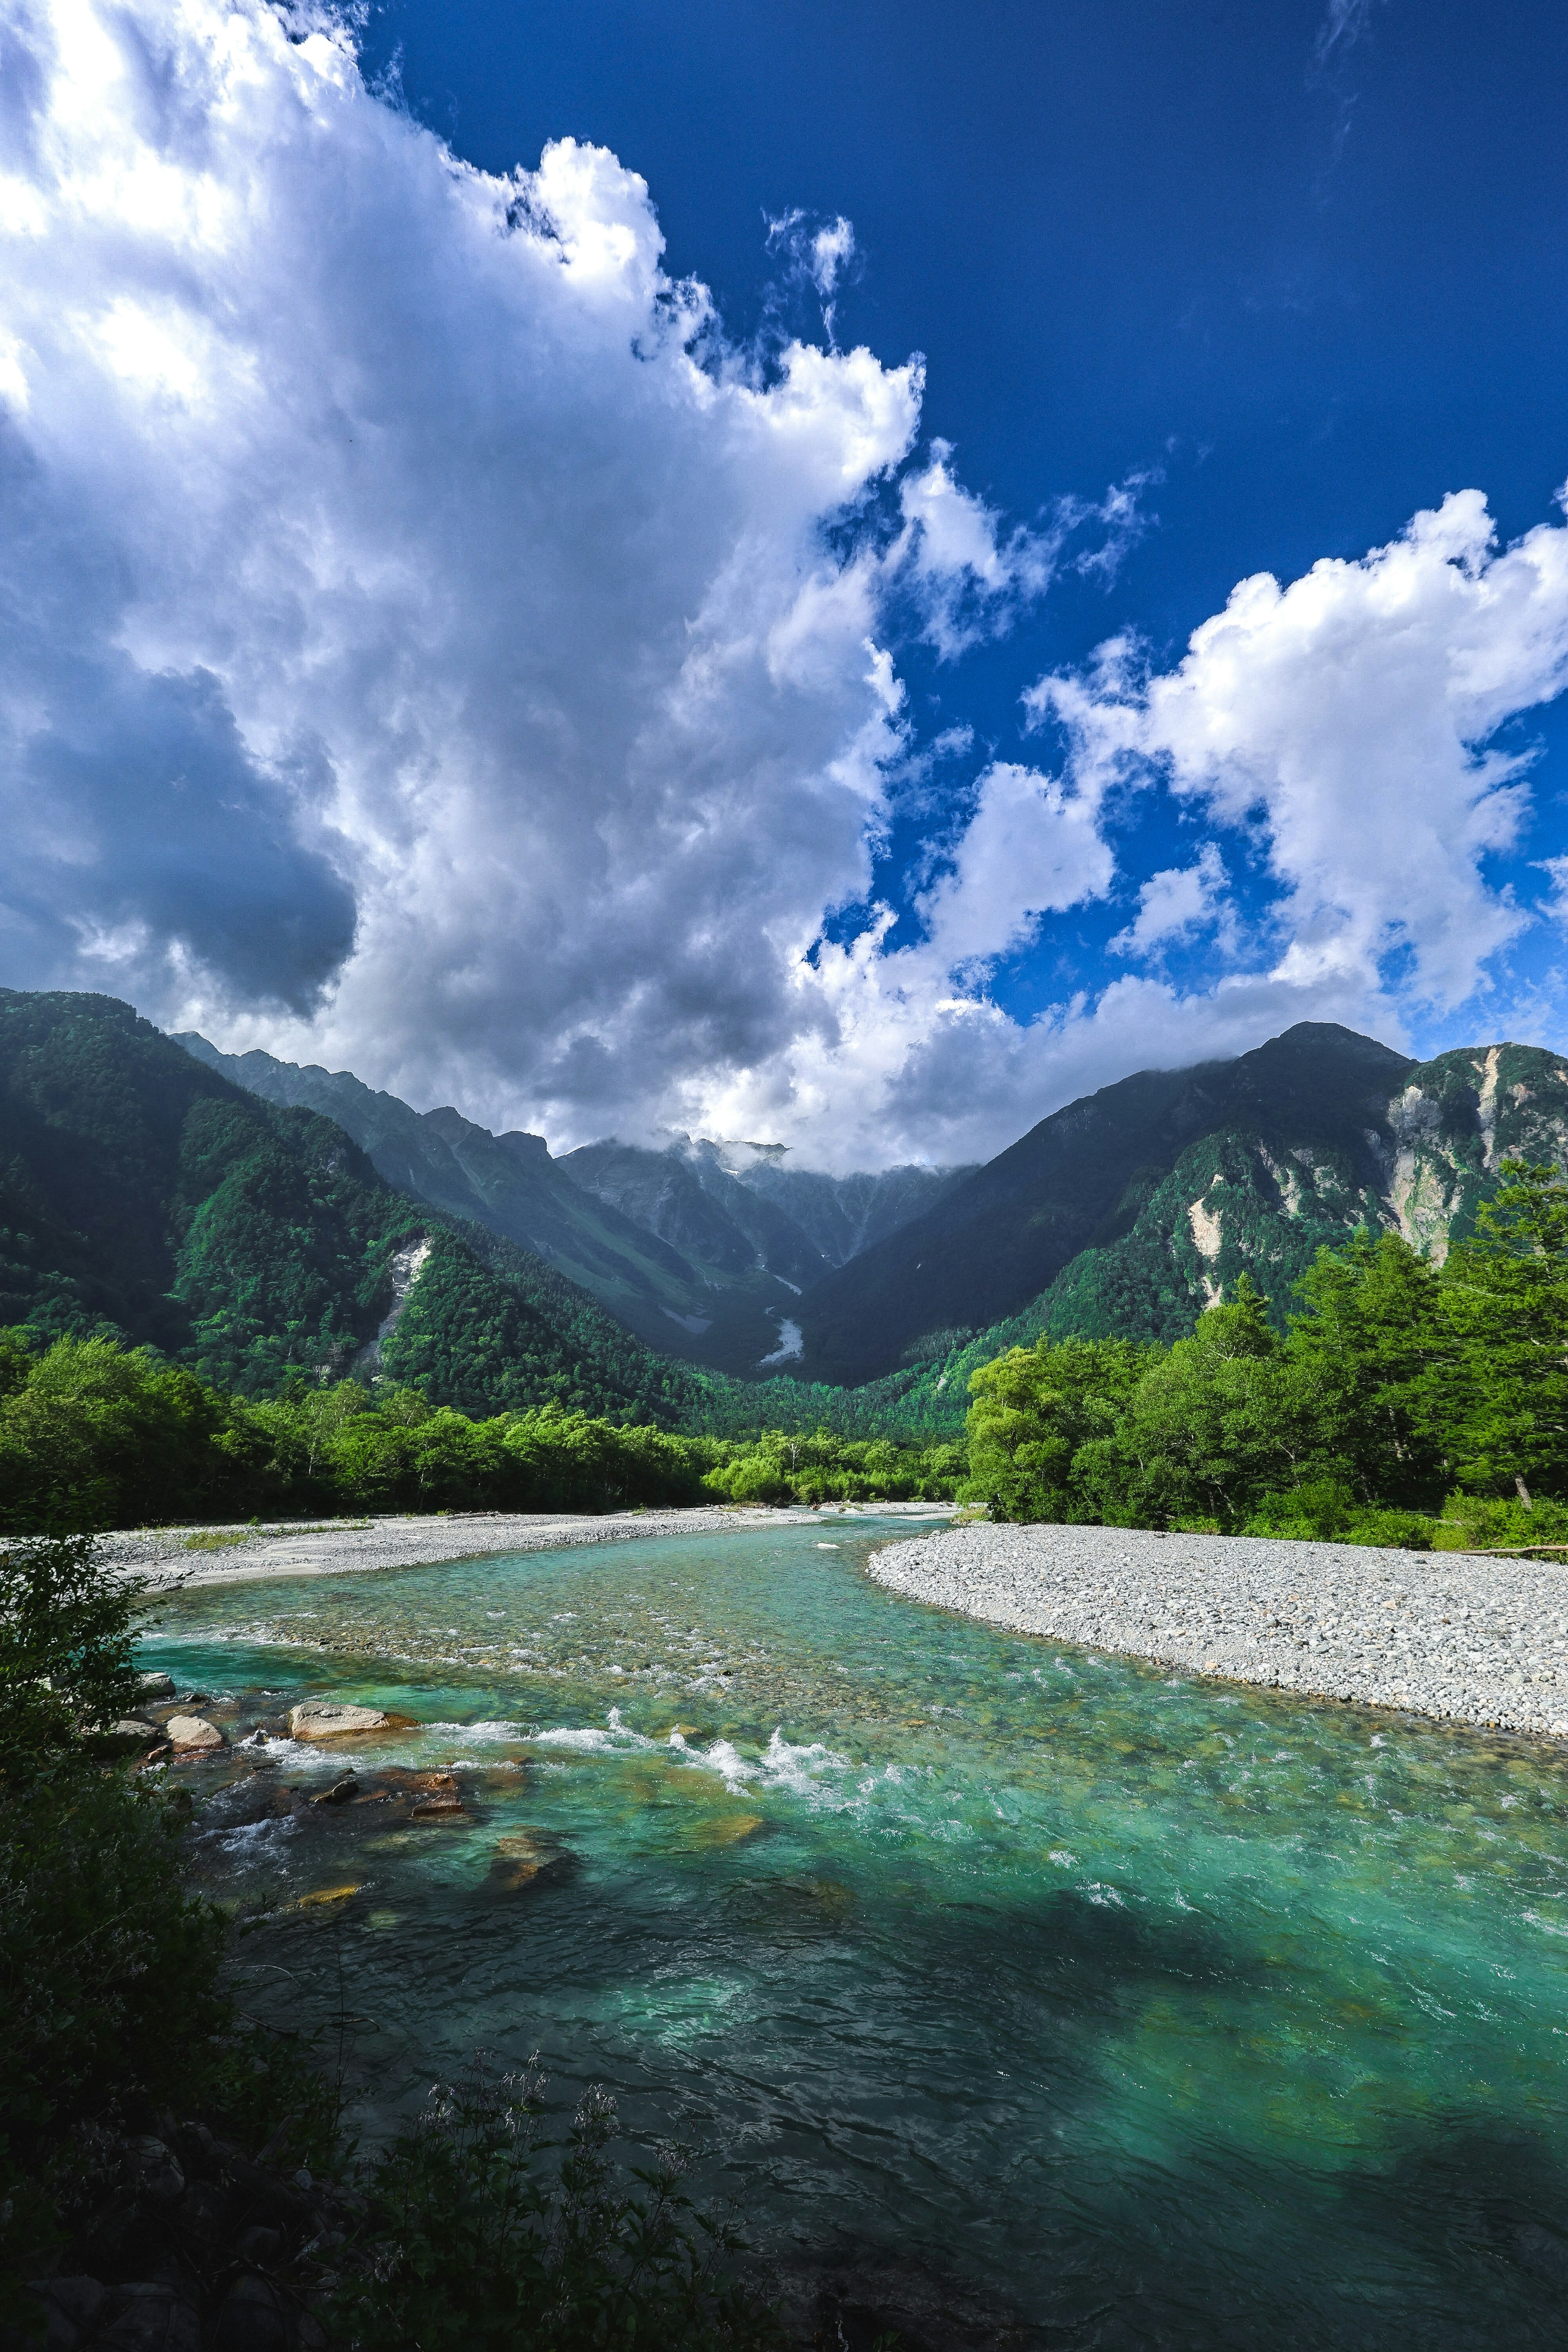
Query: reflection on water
{"points": [[1174, 2015]]}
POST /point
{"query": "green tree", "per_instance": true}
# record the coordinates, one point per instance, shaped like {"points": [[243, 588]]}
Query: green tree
{"points": [[1374, 1347], [67, 1640], [1034, 1410], [1224, 1418], [1504, 1296]]}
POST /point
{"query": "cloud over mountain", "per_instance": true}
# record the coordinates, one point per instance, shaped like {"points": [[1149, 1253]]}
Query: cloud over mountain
{"points": [[432, 646]]}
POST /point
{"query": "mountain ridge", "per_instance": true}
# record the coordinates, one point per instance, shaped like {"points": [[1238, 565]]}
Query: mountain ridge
{"points": [[698, 1258], [1132, 1209], [146, 1198]]}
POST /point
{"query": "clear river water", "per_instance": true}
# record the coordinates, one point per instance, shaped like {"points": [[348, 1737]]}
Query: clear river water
{"points": [[1147, 2011]]}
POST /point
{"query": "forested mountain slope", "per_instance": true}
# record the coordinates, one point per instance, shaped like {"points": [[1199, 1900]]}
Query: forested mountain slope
{"points": [[839, 1215], [698, 1247], [1130, 1211], [507, 1183], [143, 1195]]}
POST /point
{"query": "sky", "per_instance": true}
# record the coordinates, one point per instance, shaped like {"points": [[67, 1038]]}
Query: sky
{"points": [[834, 575]]}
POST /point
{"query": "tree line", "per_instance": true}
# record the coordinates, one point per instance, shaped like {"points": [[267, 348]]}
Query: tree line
{"points": [[1406, 1404], [94, 1434]]}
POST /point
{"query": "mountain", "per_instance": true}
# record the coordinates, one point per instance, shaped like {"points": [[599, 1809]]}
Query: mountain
{"points": [[700, 1249], [839, 1215], [690, 1200], [145, 1196], [1130, 1210], [507, 1183]]}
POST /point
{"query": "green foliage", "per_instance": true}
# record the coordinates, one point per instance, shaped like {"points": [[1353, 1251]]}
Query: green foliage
{"points": [[1469, 1522], [486, 2235], [93, 1436], [1505, 1300], [1394, 1380], [145, 1200], [67, 1635], [787, 1466], [109, 1972], [96, 1435], [1034, 1410], [107, 1969]]}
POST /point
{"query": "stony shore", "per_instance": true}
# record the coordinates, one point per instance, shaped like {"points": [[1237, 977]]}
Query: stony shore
{"points": [[1451, 1634], [237, 1554]]}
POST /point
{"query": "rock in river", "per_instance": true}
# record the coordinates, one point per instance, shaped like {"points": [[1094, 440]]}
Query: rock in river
{"points": [[525, 1857], [324, 1718], [151, 1687], [194, 1733]]}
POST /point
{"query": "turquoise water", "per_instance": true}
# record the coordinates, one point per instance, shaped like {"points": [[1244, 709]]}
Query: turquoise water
{"points": [[1164, 2014]]}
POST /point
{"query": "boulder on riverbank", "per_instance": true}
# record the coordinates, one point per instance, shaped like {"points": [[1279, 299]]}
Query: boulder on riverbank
{"points": [[324, 1718]]}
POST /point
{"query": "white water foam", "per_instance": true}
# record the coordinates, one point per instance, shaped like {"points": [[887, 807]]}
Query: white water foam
{"points": [[591, 1739]]}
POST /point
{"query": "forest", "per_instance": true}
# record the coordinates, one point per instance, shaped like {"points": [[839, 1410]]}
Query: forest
{"points": [[94, 1434], [1405, 1404]]}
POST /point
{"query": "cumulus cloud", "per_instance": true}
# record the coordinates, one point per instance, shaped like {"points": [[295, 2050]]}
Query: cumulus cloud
{"points": [[1176, 903], [1343, 729], [407, 561], [1352, 717], [433, 648]]}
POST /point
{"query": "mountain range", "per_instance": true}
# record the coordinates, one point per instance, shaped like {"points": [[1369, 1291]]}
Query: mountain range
{"points": [[1130, 1211], [700, 1248], [148, 1198], [260, 1222]]}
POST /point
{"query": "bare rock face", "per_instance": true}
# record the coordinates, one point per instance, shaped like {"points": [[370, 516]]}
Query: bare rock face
{"points": [[194, 1733], [322, 1718]]}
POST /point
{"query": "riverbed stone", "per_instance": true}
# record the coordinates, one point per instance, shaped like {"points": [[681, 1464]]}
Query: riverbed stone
{"points": [[194, 1733], [324, 1718], [1449, 1634], [526, 1858], [152, 1685], [438, 1798]]}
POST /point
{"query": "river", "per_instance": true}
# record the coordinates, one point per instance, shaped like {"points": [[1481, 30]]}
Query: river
{"points": [[1150, 2012]]}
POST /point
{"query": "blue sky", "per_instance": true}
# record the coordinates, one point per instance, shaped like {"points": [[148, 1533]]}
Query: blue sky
{"points": [[1306, 265], [481, 769]]}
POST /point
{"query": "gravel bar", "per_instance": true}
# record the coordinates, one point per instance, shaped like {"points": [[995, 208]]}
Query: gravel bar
{"points": [[1452, 1634], [240, 1554]]}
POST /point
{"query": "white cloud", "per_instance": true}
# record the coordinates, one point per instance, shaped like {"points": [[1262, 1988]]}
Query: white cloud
{"points": [[1345, 723], [832, 248], [435, 650], [1174, 906], [1349, 716], [408, 560], [1029, 849]]}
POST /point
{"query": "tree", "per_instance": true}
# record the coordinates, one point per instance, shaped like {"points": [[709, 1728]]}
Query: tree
{"points": [[1504, 1296], [1374, 1345], [1227, 1417], [1034, 1410], [67, 1639]]}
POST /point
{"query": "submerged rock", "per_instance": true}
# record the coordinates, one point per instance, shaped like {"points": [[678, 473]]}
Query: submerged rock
{"points": [[436, 1798], [525, 1858], [340, 1792], [724, 1829], [322, 1718]]}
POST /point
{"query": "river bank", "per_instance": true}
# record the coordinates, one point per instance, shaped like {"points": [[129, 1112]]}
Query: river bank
{"points": [[1455, 1635], [242, 1553]]}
